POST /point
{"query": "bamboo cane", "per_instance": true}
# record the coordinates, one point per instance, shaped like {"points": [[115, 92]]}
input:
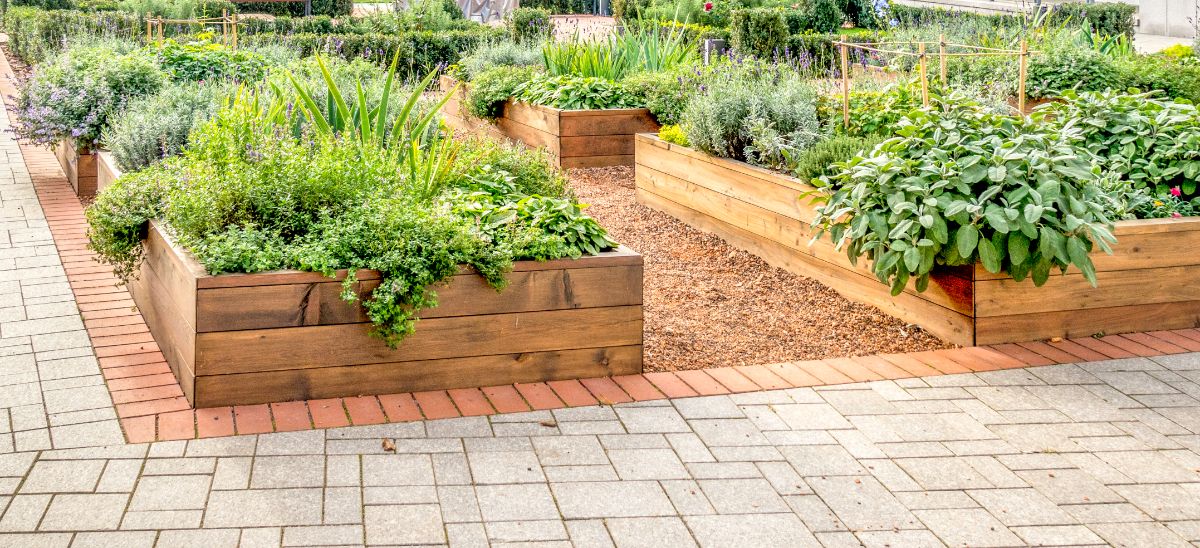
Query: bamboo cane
{"points": [[149, 33], [845, 82], [160, 30], [235, 30], [924, 79], [1023, 74], [225, 26], [942, 57]]}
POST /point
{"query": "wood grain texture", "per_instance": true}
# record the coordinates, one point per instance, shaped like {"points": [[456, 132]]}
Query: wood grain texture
{"points": [[106, 169], [295, 337], [395, 377], [79, 166], [1086, 323]]}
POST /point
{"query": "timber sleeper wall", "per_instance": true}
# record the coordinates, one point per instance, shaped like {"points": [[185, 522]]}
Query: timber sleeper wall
{"points": [[79, 165], [106, 169], [1147, 283], [236, 339], [576, 138]]}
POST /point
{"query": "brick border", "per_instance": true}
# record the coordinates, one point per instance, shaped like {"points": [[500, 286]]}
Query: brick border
{"points": [[151, 406]]}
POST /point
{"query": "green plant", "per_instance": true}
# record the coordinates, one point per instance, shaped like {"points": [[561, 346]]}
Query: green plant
{"points": [[1179, 50], [574, 93], [1149, 142], [1105, 18], [74, 94], [758, 31], [872, 112], [666, 93], [820, 160], [151, 128], [673, 134], [505, 53], [821, 16], [177, 9], [35, 35], [563, 7], [203, 60], [757, 121], [491, 89], [641, 48], [959, 185], [1056, 71], [628, 9], [1177, 77], [421, 51], [528, 24]]}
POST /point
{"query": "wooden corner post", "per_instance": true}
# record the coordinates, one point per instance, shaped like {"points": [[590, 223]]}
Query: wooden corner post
{"points": [[845, 53], [1023, 73], [924, 77]]}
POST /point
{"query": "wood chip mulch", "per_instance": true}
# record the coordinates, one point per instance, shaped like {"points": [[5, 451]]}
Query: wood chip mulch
{"points": [[708, 304]]}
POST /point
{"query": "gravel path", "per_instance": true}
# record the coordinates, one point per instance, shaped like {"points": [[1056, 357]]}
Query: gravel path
{"points": [[708, 304]]}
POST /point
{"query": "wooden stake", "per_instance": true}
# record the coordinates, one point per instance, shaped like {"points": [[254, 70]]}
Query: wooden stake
{"points": [[225, 26], [924, 78], [160, 30], [942, 57], [845, 82], [149, 32], [235, 30], [1022, 75]]}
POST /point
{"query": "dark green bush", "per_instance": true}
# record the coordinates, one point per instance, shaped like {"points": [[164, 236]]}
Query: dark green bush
{"points": [[665, 94], [861, 12], [819, 160], [821, 16], [562, 7], [332, 8], [420, 52], [628, 9], [1175, 77], [491, 88], [1107, 18], [528, 24], [758, 31], [1061, 69], [918, 17], [34, 34]]}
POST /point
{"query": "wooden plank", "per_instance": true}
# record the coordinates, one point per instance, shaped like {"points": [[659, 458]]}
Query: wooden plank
{"points": [[1137, 248], [265, 307], [175, 337], [529, 135], [1076, 324], [943, 322], [595, 145], [945, 290], [538, 117], [436, 338], [606, 122], [106, 169], [1072, 292], [576, 162], [387, 378], [176, 272]]}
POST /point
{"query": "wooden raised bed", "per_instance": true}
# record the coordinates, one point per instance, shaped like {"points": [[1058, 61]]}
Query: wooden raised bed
{"points": [[1148, 283], [106, 169], [575, 138], [79, 165], [235, 339]]}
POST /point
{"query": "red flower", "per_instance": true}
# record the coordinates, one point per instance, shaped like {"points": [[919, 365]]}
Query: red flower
{"points": [[1176, 192], [1176, 214], [708, 7]]}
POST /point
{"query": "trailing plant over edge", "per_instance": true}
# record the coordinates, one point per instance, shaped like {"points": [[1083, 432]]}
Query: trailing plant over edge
{"points": [[960, 185]]}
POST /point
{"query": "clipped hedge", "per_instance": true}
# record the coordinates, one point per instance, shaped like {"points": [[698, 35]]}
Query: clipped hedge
{"points": [[35, 34], [1108, 18], [420, 52], [332, 8], [758, 31], [563, 7]]}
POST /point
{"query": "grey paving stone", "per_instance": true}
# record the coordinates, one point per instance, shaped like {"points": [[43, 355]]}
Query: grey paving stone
{"points": [[582, 500], [162, 519], [1015, 507], [307, 442], [728, 432], [114, 539], [448, 469], [506, 467], [944, 473], [91, 434], [1058, 535], [343, 505], [968, 528], [179, 466], [323, 535], [569, 450], [462, 427], [235, 446], [397, 470], [24, 512], [862, 503], [817, 416], [649, 532], [1164, 502], [202, 538], [74, 512], [821, 460], [708, 407], [652, 420], [63, 477], [743, 496], [519, 502], [1069, 486], [589, 533], [647, 464], [170, 493], [466, 535], [687, 497], [400, 494], [766, 530], [288, 471], [264, 508], [689, 448], [232, 473], [526, 531], [592, 472], [1139, 534]]}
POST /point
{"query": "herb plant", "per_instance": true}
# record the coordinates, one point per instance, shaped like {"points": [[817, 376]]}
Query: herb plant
{"points": [[574, 93]]}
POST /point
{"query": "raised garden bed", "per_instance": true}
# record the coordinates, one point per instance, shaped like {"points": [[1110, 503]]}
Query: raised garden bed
{"points": [[237, 339], [1147, 283], [106, 169], [79, 165], [575, 138]]}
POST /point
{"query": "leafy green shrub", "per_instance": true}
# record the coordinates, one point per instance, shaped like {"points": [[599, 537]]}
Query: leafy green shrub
{"points": [[628, 9], [819, 16], [528, 24], [155, 127], [1178, 50], [35, 35], [758, 121], [616, 56], [575, 93], [1056, 71], [1152, 143], [421, 51], [1107, 18], [962, 185], [820, 160], [562, 7], [867, 14], [202, 60], [873, 112], [74, 94], [665, 94], [1177, 77], [491, 89], [758, 31], [177, 9], [495, 54], [249, 195], [331, 8]]}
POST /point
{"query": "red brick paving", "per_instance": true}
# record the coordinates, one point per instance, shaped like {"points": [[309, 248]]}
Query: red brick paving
{"points": [[151, 407]]}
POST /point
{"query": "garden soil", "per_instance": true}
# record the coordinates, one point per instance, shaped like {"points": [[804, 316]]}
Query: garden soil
{"points": [[708, 304]]}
